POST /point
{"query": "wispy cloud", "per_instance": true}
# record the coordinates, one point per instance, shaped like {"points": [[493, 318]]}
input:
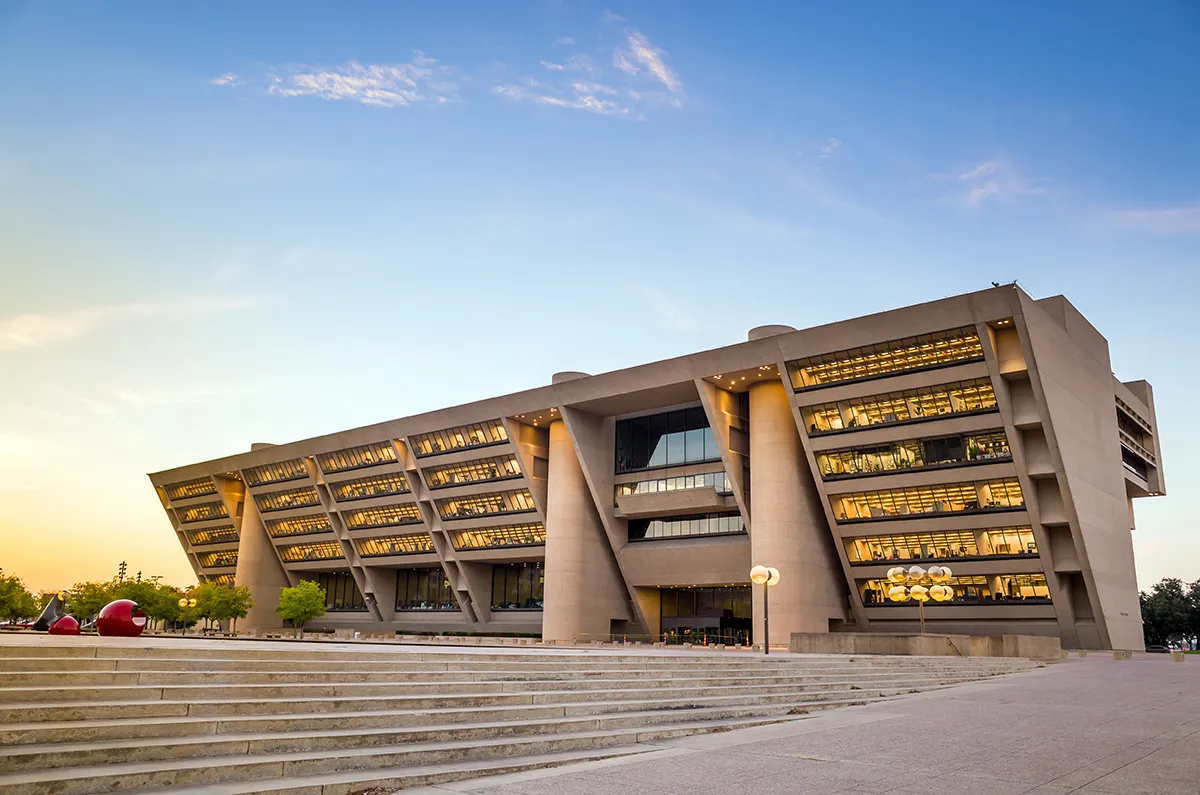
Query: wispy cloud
{"points": [[563, 41], [227, 79], [422, 79], [578, 95], [992, 181], [37, 330], [827, 149], [1162, 221], [642, 55]]}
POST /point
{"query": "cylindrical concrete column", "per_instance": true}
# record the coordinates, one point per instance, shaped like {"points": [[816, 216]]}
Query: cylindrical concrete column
{"points": [[789, 530], [258, 568]]}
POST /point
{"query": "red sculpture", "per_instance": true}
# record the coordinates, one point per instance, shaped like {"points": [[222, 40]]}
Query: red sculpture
{"points": [[122, 619], [66, 625]]}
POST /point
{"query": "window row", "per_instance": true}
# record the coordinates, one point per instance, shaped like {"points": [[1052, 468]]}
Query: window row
{"points": [[973, 589], [218, 559], [1133, 428], [942, 545], [986, 495], [715, 480], [284, 500], [367, 455], [275, 473], [915, 454], [912, 404], [341, 592], [497, 468], [212, 535], [200, 487], [221, 579], [383, 516], [298, 525], [685, 526], [366, 488], [321, 550], [424, 589], [493, 504], [911, 353], [411, 544], [479, 434], [723, 602], [516, 535], [202, 512], [518, 586], [667, 439], [1134, 464]]}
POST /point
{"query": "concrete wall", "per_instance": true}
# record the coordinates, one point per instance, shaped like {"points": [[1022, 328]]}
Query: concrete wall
{"points": [[259, 569]]}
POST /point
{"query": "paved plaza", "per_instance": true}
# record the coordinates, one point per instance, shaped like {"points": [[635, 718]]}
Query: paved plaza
{"points": [[1086, 725]]}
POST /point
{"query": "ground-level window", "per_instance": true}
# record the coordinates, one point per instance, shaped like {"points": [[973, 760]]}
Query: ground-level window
{"points": [[518, 586], [341, 591], [424, 589]]}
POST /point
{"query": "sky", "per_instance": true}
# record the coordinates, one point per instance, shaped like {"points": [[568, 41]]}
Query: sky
{"points": [[223, 224]]}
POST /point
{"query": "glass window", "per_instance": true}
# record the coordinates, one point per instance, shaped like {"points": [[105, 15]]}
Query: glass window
{"points": [[480, 434], [298, 525], [212, 535], [200, 487], [685, 526], [383, 516], [285, 500], [493, 504], [515, 535], [366, 488], [321, 550], [357, 457], [960, 449], [219, 559], [220, 579], [276, 473], [517, 586], [943, 545], [973, 589], [496, 468], [667, 439], [987, 495], [341, 592], [912, 405], [424, 589], [395, 545], [939, 349], [202, 513], [715, 480]]}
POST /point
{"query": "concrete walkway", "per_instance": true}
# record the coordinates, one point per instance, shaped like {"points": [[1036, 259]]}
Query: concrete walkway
{"points": [[1090, 725]]}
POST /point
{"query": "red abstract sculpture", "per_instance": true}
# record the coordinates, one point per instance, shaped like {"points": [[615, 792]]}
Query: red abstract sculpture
{"points": [[121, 619], [66, 625]]}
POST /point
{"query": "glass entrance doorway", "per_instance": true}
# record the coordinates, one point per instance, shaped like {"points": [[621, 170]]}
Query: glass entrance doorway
{"points": [[706, 615]]}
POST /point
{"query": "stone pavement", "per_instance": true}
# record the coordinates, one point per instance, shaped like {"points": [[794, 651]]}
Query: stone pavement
{"points": [[1086, 725]]}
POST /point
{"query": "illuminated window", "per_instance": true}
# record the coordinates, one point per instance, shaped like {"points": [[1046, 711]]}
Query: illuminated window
{"points": [[685, 526], [912, 405], [939, 349], [395, 545], [498, 468], [706, 614], [341, 592], [383, 516], [943, 451], [221, 579], [514, 535], [365, 488], [284, 500], [494, 504], [276, 473], [942, 545], [323, 550], [200, 487], [357, 457], [973, 589], [988, 495], [715, 480], [517, 586], [299, 525], [202, 512], [666, 439], [424, 589], [479, 434], [212, 535], [219, 559]]}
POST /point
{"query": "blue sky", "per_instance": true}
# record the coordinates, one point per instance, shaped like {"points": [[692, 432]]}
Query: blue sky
{"points": [[222, 225]]}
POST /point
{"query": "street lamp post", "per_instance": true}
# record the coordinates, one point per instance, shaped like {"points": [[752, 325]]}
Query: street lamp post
{"points": [[766, 576], [920, 585]]}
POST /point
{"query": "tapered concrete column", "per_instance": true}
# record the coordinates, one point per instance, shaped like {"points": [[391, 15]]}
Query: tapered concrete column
{"points": [[258, 568], [789, 530], [580, 577]]}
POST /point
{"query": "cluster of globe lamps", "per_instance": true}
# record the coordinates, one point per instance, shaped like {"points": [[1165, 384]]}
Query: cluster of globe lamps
{"points": [[920, 585]]}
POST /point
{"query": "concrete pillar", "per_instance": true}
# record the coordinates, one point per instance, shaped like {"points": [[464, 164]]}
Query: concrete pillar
{"points": [[258, 568], [580, 572], [789, 530]]}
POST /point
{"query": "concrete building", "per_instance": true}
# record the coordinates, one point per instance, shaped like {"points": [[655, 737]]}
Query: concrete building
{"points": [[984, 431]]}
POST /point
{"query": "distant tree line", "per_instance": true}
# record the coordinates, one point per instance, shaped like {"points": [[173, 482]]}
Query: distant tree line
{"points": [[1171, 613]]}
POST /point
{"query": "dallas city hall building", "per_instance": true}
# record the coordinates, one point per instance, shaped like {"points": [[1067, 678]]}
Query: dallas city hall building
{"points": [[984, 431]]}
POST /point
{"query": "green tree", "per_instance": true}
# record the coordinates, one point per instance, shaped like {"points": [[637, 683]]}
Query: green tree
{"points": [[86, 599], [300, 604], [16, 602], [223, 602], [1166, 613]]}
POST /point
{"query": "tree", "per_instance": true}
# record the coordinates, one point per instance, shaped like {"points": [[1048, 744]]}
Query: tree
{"points": [[16, 602], [1193, 596], [1166, 613], [300, 604], [223, 602], [86, 599]]}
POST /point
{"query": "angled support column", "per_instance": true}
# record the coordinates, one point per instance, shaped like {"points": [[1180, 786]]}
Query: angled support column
{"points": [[721, 407], [259, 569]]}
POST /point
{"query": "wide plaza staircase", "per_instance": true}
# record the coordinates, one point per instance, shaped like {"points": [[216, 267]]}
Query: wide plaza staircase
{"points": [[158, 715]]}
